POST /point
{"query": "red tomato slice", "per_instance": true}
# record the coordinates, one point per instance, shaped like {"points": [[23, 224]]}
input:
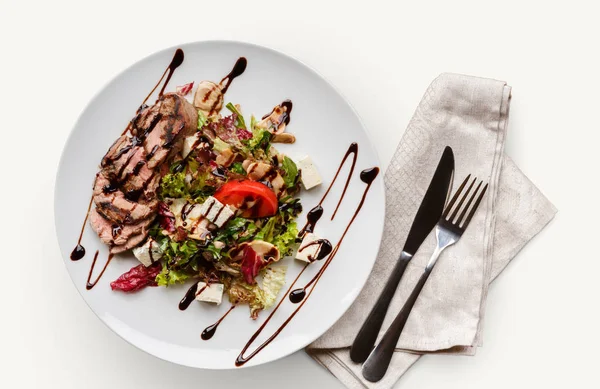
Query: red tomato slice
{"points": [[239, 193]]}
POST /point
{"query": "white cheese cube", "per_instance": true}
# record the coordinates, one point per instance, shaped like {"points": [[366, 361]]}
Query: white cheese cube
{"points": [[148, 253], [226, 214], [308, 173], [306, 250], [214, 211], [212, 293], [207, 205]]}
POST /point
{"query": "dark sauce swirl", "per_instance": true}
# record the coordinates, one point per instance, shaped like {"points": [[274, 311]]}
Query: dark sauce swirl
{"points": [[90, 284], [190, 295], [209, 331], [238, 69]]}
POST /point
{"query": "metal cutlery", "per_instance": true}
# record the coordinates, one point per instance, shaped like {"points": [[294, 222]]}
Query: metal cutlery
{"points": [[427, 216], [448, 230]]}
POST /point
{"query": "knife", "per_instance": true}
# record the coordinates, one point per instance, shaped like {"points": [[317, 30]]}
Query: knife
{"points": [[429, 213]]}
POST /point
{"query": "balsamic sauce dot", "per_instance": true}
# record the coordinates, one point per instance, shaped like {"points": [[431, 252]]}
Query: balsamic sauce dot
{"points": [[77, 253], [297, 295]]}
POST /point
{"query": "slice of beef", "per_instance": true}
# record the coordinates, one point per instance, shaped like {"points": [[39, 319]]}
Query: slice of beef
{"points": [[136, 175], [114, 234], [113, 205], [117, 157], [132, 242], [145, 121], [179, 119]]}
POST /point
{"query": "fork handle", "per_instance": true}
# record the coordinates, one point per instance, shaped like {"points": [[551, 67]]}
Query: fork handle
{"points": [[366, 337], [378, 361]]}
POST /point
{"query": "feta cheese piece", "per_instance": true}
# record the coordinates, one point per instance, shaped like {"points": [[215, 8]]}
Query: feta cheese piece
{"points": [[216, 212], [148, 253], [207, 205], [306, 250], [212, 293], [226, 213], [308, 173]]}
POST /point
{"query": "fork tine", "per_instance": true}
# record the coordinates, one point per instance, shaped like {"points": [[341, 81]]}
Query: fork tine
{"points": [[475, 207], [462, 200], [464, 212], [453, 200]]}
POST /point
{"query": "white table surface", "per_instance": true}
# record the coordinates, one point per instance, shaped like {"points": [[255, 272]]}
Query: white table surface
{"points": [[542, 319]]}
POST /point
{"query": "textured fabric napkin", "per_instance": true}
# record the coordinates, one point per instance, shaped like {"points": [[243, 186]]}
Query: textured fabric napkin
{"points": [[469, 114]]}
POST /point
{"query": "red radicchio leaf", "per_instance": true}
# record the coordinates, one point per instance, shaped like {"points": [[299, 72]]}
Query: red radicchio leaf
{"points": [[244, 134], [137, 278], [183, 90], [213, 164], [166, 219], [251, 265], [229, 122]]}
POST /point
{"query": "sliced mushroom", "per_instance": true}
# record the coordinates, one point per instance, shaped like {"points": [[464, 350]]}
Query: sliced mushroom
{"points": [[257, 170], [278, 184], [226, 157], [284, 137], [262, 171], [275, 121], [208, 97]]}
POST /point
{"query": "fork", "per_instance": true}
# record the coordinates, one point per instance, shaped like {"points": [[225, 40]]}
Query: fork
{"points": [[448, 231]]}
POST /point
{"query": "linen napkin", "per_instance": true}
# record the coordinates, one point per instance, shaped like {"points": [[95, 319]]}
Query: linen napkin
{"points": [[471, 115]]}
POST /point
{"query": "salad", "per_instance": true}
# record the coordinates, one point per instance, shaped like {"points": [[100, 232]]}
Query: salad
{"points": [[227, 209]]}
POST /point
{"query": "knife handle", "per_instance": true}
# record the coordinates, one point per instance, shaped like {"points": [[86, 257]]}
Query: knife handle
{"points": [[378, 361], [366, 337]]}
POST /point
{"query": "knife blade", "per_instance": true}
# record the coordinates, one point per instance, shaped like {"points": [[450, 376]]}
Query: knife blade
{"points": [[427, 216]]}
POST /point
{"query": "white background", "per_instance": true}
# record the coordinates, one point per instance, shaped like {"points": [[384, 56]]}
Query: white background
{"points": [[542, 320]]}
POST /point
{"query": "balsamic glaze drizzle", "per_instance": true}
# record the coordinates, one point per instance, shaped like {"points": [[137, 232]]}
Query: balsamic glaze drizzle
{"points": [[315, 214], [175, 63], [367, 176], [89, 285], [323, 250], [190, 295], [238, 69], [209, 331], [79, 251]]}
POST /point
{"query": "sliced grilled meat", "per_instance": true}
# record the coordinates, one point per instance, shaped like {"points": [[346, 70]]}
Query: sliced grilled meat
{"points": [[125, 188], [178, 119], [114, 234], [132, 242], [113, 205]]}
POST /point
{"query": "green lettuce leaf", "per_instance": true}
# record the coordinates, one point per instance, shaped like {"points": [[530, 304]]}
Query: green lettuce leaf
{"points": [[291, 172], [286, 240], [169, 277], [267, 231], [173, 185], [259, 144], [201, 119], [220, 145], [237, 167], [239, 122]]}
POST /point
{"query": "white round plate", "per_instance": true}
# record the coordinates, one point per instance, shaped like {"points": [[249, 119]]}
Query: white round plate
{"points": [[324, 125]]}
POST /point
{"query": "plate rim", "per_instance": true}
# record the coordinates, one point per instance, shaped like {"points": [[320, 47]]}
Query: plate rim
{"points": [[368, 133]]}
